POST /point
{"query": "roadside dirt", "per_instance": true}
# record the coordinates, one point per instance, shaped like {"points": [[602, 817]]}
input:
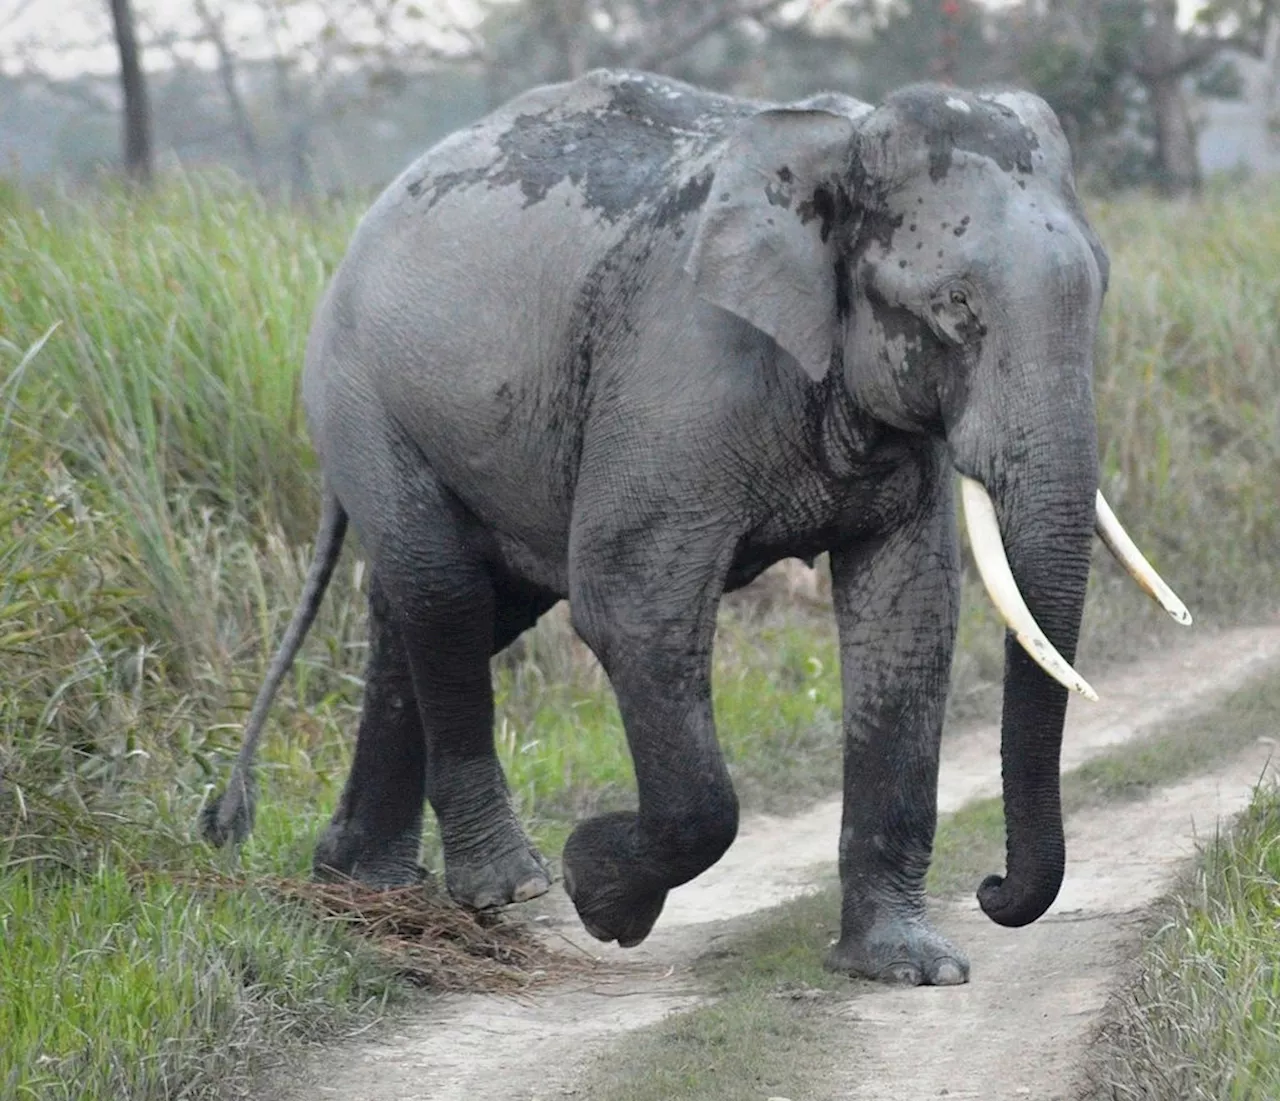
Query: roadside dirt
{"points": [[1020, 1028], [1015, 1031]]}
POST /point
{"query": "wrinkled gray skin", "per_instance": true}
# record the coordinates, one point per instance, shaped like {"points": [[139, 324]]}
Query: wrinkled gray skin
{"points": [[629, 343]]}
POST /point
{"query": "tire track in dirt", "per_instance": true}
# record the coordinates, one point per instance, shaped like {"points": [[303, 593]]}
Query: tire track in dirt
{"points": [[1051, 975]]}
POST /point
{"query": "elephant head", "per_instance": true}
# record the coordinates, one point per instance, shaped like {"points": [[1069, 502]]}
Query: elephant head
{"points": [[933, 252]]}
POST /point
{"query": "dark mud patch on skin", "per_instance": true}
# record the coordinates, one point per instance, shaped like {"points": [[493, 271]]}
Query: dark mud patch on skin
{"points": [[617, 162], [436, 186], [986, 127], [622, 157], [688, 198]]}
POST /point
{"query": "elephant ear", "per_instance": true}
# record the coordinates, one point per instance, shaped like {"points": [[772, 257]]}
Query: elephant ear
{"points": [[765, 249]]}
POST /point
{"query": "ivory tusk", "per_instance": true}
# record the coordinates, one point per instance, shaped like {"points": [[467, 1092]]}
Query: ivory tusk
{"points": [[1132, 559], [993, 565]]}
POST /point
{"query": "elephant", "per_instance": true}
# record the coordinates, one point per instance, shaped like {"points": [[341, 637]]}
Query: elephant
{"points": [[627, 342]]}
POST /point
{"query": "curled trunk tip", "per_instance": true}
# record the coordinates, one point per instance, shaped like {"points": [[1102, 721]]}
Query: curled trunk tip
{"points": [[1013, 903]]}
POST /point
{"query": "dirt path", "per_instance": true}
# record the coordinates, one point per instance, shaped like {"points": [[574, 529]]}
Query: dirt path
{"points": [[1051, 976], [1019, 1029]]}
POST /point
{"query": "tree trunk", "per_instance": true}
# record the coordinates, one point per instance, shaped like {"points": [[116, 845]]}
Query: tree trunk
{"points": [[1162, 71], [137, 108], [1176, 151]]}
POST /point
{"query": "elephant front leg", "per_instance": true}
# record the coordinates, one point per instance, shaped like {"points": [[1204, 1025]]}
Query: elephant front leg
{"points": [[896, 606], [654, 639]]}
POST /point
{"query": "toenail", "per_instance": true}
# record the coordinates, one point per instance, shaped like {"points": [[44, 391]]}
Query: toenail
{"points": [[530, 888], [949, 973], [906, 974]]}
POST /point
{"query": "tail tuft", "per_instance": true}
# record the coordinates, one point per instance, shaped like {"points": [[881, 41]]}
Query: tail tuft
{"points": [[229, 817], [219, 828]]}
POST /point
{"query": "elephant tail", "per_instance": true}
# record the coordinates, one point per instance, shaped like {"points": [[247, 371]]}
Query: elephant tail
{"points": [[229, 816]]}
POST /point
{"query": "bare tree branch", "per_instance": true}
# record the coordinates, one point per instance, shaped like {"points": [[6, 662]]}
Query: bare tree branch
{"points": [[1197, 52], [659, 53], [244, 127]]}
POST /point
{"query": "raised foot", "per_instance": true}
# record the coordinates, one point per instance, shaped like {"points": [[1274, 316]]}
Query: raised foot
{"points": [[517, 873], [598, 868], [905, 952]]}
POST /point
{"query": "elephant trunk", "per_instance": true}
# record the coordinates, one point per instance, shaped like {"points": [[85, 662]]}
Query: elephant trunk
{"points": [[1046, 518]]}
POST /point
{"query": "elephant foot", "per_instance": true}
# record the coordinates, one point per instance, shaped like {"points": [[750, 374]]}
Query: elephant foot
{"points": [[511, 870], [597, 858], [904, 951], [345, 852]]}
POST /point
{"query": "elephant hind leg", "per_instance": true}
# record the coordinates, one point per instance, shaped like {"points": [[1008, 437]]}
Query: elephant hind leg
{"points": [[375, 832], [446, 604], [426, 731]]}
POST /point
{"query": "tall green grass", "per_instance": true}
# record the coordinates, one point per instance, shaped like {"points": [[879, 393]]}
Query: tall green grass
{"points": [[156, 500], [153, 481], [184, 321], [1188, 390], [1200, 1019]]}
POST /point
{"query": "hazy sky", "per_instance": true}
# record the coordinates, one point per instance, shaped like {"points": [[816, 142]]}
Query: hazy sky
{"points": [[74, 32], [71, 36]]}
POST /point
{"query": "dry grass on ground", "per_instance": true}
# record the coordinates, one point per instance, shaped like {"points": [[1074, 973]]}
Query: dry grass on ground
{"points": [[422, 935]]}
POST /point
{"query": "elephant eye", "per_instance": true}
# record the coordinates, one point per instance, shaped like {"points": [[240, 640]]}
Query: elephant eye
{"points": [[955, 321]]}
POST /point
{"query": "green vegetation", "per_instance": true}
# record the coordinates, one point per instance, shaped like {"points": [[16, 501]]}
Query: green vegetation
{"points": [[1187, 391], [156, 499], [115, 987], [1199, 1019]]}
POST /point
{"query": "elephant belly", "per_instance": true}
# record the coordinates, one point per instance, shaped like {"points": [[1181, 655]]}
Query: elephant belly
{"points": [[533, 566]]}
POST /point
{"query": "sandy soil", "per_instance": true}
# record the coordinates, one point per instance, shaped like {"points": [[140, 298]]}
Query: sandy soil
{"points": [[1014, 1032], [1019, 1029]]}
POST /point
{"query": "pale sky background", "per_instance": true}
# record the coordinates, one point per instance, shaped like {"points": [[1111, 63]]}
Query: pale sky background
{"points": [[78, 27]]}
